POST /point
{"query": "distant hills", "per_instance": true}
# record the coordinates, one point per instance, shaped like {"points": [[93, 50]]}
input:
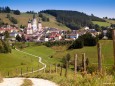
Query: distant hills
{"points": [[62, 19]]}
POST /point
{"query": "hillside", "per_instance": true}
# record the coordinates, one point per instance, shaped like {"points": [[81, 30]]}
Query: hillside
{"points": [[13, 62], [105, 24], [73, 19], [24, 17]]}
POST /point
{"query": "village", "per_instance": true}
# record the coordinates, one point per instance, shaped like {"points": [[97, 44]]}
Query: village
{"points": [[35, 32]]}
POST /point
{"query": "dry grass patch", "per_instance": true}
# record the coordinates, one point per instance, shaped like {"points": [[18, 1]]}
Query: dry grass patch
{"points": [[1, 78], [27, 82]]}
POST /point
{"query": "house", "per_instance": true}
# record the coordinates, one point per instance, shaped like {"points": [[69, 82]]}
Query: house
{"points": [[2, 36], [55, 36], [86, 28], [14, 34]]}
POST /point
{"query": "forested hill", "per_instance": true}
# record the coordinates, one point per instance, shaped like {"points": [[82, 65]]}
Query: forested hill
{"points": [[73, 19]]}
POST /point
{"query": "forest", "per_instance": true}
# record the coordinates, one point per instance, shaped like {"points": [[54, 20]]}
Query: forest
{"points": [[73, 19]]}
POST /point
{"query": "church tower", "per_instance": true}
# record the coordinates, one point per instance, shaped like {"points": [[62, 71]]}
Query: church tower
{"points": [[34, 23], [29, 28], [39, 25], [29, 24]]}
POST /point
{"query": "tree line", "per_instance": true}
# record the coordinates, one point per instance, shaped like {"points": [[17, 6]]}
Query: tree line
{"points": [[12, 19], [9, 10]]}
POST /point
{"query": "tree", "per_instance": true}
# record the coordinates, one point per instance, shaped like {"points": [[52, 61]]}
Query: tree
{"points": [[6, 34], [17, 12], [4, 47], [23, 38], [18, 38], [78, 43], [109, 34], [7, 9], [8, 16], [66, 59], [13, 20]]}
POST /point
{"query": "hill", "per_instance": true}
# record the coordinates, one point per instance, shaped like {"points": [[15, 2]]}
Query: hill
{"points": [[73, 19], [24, 17]]}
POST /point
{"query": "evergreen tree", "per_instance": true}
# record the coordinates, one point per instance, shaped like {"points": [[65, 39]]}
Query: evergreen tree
{"points": [[17, 12], [6, 34]]}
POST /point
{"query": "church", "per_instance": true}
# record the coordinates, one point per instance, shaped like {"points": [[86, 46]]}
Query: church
{"points": [[34, 26]]}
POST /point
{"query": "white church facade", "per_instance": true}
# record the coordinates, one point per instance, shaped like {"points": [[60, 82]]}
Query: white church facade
{"points": [[33, 26]]}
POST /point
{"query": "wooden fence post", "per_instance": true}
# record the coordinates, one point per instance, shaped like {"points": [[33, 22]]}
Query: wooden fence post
{"points": [[21, 71], [66, 70], [44, 70], [75, 64], [8, 73], [99, 58], [113, 36], [32, 69], [56, 68], [61, 70], [50, 69], [84, 62], [27, 69]]}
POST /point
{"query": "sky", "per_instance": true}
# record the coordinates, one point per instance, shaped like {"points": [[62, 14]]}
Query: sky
{"points": [[100, 8]]}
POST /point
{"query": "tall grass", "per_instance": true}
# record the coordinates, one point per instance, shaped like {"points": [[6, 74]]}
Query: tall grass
{"points": [[1, 78], [27, 82]]}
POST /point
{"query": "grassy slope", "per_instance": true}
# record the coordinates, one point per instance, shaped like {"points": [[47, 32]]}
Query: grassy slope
{"points": [[9, 62], [111, 21], [101, 23], [23, 20], [91, 53], [14, 60], [43, 52]]}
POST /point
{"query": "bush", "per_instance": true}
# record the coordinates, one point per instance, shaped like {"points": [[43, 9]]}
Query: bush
{"points": [[16, 12], [4, 47], [13, 20], [78, 43]]}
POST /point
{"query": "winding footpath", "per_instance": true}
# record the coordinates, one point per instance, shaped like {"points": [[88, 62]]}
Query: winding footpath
{"points": [[40, 61], [35, 81]]}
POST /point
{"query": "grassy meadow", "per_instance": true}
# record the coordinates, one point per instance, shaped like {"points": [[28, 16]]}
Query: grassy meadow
{"points": [[13, 62], [105, 24], [91, 53]]}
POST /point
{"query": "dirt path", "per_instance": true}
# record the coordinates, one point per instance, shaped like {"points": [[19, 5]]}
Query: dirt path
{"points": [[19, 81]]}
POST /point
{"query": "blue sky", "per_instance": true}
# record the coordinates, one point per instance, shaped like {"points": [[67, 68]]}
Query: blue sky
{"points": [[100, 8]]}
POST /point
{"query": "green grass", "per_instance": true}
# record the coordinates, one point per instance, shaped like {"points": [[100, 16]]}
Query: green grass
{"points": [[17, 60], [43, 52], [110, 21], [105, 24], [24, 17], [91, 53]]}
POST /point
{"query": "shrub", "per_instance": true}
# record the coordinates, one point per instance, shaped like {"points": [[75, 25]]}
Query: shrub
{"points": [[78, 43]]}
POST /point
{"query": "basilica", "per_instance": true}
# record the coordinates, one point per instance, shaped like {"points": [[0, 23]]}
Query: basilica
{"points": [[34, 26]]}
